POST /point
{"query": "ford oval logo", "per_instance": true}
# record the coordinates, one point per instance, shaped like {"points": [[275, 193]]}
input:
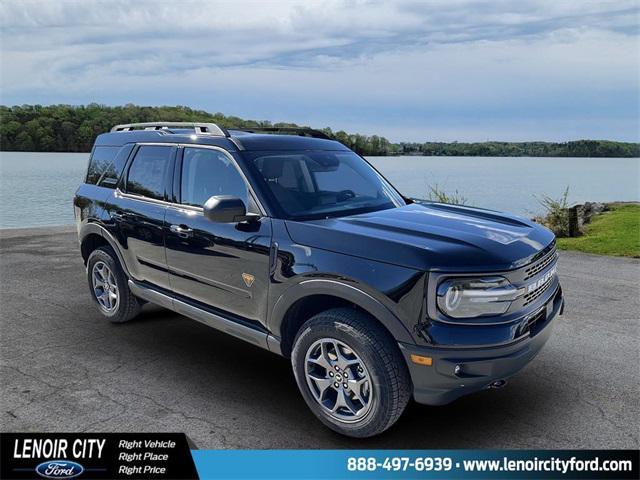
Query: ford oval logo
{"points": [[59, 469]]}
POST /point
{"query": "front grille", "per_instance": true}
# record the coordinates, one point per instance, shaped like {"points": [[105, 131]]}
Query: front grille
{"points": [[531, 296], [540, 265]]}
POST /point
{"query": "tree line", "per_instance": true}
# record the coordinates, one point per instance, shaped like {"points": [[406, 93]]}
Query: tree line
{"points": [[577, 148], [67, 128]]}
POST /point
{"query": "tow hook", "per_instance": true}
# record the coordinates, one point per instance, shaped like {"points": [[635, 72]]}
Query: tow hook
{"points": [[498, 384]]}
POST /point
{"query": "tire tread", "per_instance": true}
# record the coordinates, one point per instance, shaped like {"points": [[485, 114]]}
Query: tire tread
{"points": [[356, 323], [130, 305]]}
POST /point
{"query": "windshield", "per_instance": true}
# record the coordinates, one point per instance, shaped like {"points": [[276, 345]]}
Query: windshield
{"points": [[319, 184]]}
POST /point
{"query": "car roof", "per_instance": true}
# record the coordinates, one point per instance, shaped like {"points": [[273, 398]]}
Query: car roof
{"points": [[235, 141]]}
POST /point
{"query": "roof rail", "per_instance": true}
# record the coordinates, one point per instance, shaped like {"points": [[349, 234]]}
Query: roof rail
{"points": [[210, 128], [301, 131]]}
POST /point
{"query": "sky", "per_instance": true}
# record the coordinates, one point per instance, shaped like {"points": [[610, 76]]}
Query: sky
{"points": [[441, 70]]}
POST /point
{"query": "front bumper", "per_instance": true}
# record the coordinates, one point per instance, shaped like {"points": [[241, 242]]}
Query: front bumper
{"points": [[478, 367]]}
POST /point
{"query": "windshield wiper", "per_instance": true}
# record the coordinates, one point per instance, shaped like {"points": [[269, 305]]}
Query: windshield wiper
{"points": [[341, 213]]}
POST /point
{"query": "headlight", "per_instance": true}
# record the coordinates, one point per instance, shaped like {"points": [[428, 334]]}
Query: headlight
{"points": [[475, 297]]}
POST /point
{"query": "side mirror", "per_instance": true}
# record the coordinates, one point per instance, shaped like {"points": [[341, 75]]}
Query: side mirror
{"points": [[226, 209]]}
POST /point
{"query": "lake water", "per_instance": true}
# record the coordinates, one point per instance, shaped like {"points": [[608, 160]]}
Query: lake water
{"points": [[36, 189]]}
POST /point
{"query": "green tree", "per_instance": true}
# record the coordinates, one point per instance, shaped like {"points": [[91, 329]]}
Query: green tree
{"points": [[24, 142], [67, 128]]}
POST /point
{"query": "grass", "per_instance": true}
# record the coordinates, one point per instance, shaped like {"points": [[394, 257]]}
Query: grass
{"points": [[436, 194], [615, 232]]}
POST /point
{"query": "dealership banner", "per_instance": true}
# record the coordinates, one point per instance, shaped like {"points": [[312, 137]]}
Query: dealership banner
{"points": [[173, 456], [96, 455]]}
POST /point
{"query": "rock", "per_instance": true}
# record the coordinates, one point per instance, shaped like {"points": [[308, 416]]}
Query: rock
{"points": [[561, 222], [587, 210]]}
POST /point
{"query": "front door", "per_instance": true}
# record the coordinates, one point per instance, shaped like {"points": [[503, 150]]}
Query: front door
{"points": [[224, 266]]}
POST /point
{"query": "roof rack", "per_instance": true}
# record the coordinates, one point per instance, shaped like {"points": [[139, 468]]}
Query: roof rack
{"points": [[210, 128], [301, 131]]}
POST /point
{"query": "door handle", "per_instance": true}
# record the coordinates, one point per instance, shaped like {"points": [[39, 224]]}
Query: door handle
{"points": [[182, 231]]}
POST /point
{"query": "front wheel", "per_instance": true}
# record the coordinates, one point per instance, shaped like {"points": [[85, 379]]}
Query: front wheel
{"points": [[350, 372]]}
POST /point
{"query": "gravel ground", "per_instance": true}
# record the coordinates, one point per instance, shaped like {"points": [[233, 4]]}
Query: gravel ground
{"points": [[64, 368]]}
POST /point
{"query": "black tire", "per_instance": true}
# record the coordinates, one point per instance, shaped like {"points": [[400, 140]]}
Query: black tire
{"points": [[128, 306], [381, 356]]}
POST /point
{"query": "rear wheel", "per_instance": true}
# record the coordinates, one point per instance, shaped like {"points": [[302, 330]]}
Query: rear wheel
{"points": [[109, 288], [350, 372]]}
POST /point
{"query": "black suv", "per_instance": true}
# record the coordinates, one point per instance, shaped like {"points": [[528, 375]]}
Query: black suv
{"points": [[294, 243]]}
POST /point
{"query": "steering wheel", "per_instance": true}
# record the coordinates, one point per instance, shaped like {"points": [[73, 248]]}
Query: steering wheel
{"points": [[345, 195]]}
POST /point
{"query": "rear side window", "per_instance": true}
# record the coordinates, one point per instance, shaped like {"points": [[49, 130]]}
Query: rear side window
{"points": [[106, 164], [148, 172], [102, 161]]}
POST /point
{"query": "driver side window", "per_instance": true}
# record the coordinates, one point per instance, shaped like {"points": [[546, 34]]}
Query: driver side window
{"points": [[207, 172]]}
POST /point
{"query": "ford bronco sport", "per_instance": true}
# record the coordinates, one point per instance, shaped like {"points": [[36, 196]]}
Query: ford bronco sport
{"points": [[291, 241]]}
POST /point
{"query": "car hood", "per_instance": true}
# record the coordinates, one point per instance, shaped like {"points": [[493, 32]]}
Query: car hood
{"points": [[429, 236]]}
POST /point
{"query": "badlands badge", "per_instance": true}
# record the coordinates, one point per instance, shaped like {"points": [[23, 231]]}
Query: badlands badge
{"points": [[248, 279]]}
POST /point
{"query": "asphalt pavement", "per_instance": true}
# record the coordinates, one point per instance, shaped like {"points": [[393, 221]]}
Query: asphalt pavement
{"points": [[65, 368]]}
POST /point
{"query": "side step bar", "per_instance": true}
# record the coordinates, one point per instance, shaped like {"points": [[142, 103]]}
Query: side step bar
{"points": [[251, 335]]}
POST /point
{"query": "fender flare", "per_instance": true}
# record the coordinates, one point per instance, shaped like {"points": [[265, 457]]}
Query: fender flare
{"points": [[342, 290], [95, 228]]}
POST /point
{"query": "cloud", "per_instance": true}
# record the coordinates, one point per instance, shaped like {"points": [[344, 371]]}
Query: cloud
{"points": [[406, 69]]}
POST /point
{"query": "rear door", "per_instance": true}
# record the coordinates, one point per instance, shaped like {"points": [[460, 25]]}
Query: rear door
{"points": [[138, 211], [223, 266]]}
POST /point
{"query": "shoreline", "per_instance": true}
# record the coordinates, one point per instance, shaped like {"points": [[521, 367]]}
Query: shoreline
{"points": [[387, 155], [36, 231]]}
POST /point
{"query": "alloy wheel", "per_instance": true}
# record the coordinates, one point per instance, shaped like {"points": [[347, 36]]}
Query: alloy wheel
{"points": [[105, 287], [338, 380]]}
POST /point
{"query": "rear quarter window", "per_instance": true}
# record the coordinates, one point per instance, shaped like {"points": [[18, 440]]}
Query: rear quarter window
{"points": [[106, 164]]}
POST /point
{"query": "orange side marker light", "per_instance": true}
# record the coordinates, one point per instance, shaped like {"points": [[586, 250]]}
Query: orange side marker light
{"points": [[420, 360]]}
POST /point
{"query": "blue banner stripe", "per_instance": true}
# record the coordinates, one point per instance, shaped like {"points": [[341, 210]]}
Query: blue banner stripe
{"points": [[410, 464]]}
